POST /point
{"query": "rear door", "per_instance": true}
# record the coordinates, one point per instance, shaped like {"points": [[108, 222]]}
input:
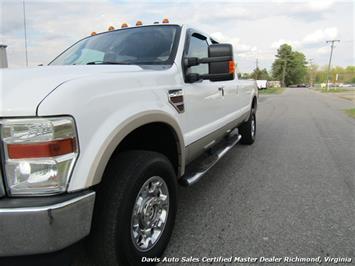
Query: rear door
{"points": [[232, 100]]}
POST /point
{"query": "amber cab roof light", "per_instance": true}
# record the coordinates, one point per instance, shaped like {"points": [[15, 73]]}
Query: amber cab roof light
{"points": [[138, 23]]}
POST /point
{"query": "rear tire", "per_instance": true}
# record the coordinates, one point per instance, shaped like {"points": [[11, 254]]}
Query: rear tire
{"points": [[117, 237], [248, 129]]}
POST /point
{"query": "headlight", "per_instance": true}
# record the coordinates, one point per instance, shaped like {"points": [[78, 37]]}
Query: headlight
{"points": [[39, 154]]}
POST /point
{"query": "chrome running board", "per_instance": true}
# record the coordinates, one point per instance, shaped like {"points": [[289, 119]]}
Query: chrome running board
{"points": [[201, 166]]}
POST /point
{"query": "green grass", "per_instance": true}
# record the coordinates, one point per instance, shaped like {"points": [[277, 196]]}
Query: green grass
{"points": [[271, 91], [333, 90], [350, 112]]}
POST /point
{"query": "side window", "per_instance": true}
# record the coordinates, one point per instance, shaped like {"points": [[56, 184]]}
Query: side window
{"points": [[198, 48]]}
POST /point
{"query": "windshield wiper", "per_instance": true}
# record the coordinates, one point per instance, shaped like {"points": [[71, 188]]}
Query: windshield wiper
{"points": [[107, 63]]}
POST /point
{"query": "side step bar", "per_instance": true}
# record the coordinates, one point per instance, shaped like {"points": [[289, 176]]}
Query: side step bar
{"points": [[201, 166]]}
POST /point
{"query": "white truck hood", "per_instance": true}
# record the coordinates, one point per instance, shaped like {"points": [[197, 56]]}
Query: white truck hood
{"points": [[21, 90]]}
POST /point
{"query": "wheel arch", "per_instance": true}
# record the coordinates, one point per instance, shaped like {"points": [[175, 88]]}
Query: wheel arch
{"points": [[135, 123], [253, 105]]}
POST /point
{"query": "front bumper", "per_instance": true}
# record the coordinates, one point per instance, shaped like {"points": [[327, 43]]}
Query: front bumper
{"points": [[42, 225]]}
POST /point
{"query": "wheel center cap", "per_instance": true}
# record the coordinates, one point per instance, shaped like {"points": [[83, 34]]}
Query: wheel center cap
{"points": [[149, 212]]}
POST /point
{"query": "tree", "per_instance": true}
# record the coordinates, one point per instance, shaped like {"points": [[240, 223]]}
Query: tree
{"points": [[297, 68], [289, 66], [244, 76], [260, 74], [337, 74], [311, 73], [279, 66]]}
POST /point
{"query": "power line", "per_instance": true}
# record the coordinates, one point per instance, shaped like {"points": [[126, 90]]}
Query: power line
{"points": [[25, 30]]}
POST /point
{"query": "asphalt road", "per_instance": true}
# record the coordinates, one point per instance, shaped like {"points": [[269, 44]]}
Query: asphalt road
{"points": [[292, 193]]}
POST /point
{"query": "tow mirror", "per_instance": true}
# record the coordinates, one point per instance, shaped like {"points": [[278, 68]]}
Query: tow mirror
{"points": [[222, 70], [220, 61]]}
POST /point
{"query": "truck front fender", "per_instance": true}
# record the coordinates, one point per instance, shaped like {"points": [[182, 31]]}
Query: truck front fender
{"points": [[104, 150]]}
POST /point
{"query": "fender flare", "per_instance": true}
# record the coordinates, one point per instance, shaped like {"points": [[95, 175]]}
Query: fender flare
{"points": [[129, 126]]}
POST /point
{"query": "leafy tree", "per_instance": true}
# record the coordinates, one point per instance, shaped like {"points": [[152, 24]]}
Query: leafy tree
{"points": [[311, 74], [244, 76], [260, 74], [345, 75], [290, 63], [297, 68], [350, 69], [283, 57]]}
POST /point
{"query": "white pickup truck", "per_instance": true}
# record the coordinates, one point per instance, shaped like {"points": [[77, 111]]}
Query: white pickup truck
{"points": [[95, 143]]}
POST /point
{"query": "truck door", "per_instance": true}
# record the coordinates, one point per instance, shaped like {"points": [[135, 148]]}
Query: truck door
{"points": [[236, 98], [232, 97], [204, 105]]}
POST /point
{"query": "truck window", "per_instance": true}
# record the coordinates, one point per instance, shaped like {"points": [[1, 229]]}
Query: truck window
{"points": [[89, 55], [198, 47], [142, 45]]}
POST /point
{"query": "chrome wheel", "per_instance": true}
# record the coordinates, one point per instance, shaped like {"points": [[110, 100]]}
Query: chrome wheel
{"points": [[150, 213], [253, 126]]}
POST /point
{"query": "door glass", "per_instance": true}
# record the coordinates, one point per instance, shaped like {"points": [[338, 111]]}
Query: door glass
{"points": [[198, 48]]}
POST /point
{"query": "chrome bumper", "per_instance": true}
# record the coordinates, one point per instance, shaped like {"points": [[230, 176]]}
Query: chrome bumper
{"points": [[27, 229]]}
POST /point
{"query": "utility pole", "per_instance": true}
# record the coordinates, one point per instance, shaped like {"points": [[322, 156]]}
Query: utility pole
{"points": [[3, 56], [284, 73], [25, 30], [256, 68], [330, 59], [311, 72]]}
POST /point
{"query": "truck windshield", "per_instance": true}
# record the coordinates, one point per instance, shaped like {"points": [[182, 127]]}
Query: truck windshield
{"points": [[141, 45]]}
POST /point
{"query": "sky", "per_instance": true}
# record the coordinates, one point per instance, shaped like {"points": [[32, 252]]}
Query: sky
{"points": [[255, 28]]}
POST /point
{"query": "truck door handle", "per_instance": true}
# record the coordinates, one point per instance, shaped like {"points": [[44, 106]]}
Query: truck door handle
{"points": [[222, 90]]}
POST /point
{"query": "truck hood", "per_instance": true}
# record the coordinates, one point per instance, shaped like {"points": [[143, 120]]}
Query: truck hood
{"points": [[21, 90]]}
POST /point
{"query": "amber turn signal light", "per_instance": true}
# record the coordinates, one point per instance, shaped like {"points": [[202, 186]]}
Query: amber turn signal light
{"points": [[41, 149], [231, 67]]}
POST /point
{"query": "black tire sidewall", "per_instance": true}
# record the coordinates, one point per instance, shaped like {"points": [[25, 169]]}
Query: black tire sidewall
{"points": [[126, 245], [245, 129], [253, 117], [110, 241]]}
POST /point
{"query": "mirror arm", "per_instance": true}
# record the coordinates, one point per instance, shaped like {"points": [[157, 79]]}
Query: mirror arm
{"points": [[191, 61], [194, 61], [194, 77], [212, 76], [215, 59]]}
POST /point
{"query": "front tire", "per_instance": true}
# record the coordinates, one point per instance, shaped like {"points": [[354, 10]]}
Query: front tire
{"points": [[248, 129], [135, 209]]}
